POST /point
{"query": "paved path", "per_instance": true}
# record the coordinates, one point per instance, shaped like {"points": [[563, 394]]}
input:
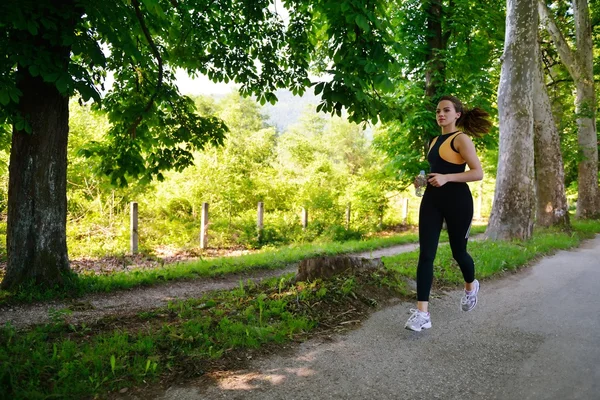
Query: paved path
{"points": [[534, 335]]}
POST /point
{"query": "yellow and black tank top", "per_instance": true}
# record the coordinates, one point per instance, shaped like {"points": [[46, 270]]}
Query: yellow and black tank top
{"points": [[443, 157]]}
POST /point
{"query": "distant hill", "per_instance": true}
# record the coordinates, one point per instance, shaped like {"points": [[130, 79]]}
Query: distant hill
{"points": [[288, 108], [286, 111]]}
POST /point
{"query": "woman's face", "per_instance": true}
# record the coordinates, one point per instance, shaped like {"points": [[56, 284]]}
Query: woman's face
{"points": [[446, 113]]}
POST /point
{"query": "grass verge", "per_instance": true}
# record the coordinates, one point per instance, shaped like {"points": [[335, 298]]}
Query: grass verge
{"points": [[78, 285], [183, 340], [492, 258]]}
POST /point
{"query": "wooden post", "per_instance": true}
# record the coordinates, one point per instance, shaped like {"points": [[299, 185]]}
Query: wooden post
{"points": [[304, 218], [204, 226], [133, 226], [348, 210], [259, 221], [405, 210]]}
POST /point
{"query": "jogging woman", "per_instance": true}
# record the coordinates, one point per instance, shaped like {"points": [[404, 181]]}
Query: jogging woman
{"points": [[447, 197]]}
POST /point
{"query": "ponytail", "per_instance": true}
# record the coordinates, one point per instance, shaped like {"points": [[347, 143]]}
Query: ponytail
{"points": [[474, 122]]}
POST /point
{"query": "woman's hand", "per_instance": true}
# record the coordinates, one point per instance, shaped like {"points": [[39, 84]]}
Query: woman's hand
{"points": [[437, 180]]}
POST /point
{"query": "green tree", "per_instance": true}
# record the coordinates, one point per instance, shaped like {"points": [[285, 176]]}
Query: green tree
{"points": [[53, 50], [444, 48]]}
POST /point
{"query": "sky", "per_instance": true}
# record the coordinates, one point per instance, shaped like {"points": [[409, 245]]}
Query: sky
{"points": [[200, 85]]}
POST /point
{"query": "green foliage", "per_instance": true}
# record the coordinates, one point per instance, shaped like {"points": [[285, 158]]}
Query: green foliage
{"points": [[4, 157], [74, 45], [562, 89], [464, 64], [354, 37]]}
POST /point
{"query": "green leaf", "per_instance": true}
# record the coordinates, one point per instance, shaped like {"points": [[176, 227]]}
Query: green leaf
{"points": [[4, 98], [153, 6], [15, 94], [319, 88], [50, 77], [62, 84], [113, 363], [34, 70], [87, 92], [32, 27], [271, 98], [363, 23]]}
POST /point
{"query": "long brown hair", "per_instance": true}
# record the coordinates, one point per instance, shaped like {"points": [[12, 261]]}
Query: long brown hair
{"points": [[474, 122]]}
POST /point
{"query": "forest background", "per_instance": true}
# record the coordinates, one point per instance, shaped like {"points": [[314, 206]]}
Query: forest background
{"points": [[321, 163]]}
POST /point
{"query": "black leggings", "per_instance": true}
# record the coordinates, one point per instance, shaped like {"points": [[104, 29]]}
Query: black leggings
{"points": [[453, 203]]}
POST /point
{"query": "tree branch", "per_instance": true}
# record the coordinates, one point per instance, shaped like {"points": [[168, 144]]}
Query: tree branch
{"points": [[566, 54], [156, 53], [556, 82]]}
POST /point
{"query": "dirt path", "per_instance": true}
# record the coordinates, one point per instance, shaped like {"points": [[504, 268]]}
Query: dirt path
{"points": [[96, 306]]}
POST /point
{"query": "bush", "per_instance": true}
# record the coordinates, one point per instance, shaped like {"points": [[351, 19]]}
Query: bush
{"points": [[179, 208], [338, 233]]}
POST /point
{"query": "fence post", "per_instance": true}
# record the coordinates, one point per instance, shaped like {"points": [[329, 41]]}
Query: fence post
{"points": [[259, 221], [405, 211], [133, 226], [348, 210], [204, 226], [304, 218]]}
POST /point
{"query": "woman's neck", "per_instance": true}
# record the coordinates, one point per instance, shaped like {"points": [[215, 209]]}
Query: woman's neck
{"points": [[449, 129]]}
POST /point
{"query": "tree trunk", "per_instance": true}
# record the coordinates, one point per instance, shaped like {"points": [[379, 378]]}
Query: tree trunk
{"points": [[579, 63], [435, 67], [552, 207], [587, 201], [37, 200], [514, 200], [588, 204], [434, 74]]}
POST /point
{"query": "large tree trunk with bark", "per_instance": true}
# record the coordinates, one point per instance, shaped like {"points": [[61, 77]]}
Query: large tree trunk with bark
{"points": [[588, 204], [587, 200], [579, 63], [512, 214], [552, 207], [37, 201]]}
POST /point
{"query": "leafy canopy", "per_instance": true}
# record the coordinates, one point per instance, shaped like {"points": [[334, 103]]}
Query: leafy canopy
{"points": [[76, 44]]}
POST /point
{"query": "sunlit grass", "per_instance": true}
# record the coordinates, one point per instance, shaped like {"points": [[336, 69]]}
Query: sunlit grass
{"points": [[268, 258], [493, 257]]}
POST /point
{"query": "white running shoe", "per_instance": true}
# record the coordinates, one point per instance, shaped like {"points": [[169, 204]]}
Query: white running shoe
{"points": [[418, 321], [469, 300]]}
